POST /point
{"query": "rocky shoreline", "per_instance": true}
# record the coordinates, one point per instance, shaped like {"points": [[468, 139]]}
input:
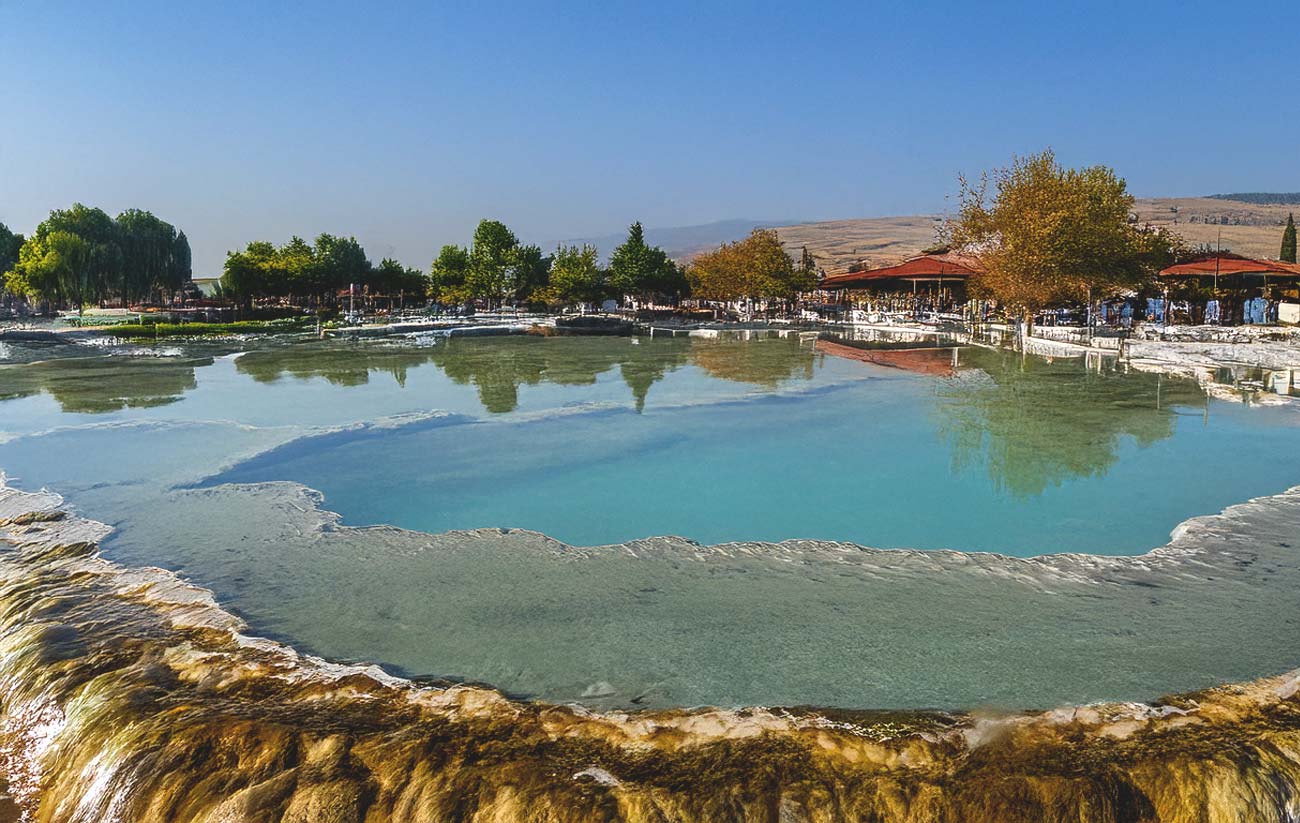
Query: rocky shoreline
{"points": [[128, 694]]}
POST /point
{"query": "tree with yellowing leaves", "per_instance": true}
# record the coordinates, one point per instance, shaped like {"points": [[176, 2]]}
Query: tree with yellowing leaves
{"points": [[1051, 235]]}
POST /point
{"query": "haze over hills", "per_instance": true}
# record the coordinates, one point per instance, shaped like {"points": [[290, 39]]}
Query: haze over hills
{"points": [[682, 242]]}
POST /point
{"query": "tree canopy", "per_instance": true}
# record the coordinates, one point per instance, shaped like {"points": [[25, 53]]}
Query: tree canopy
{"points": [[1288, 240], [80, 255], [491, 261], [153, 254], [1051, 234], [645, 271], [498, 268], [529, 273], [10, 243], [391, 277], [450, 271], [756, 267], [576, 275], [495, 267], [315, 272]]}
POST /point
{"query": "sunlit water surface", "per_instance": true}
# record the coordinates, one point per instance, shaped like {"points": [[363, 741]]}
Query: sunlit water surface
{"points": [[598, 441]]}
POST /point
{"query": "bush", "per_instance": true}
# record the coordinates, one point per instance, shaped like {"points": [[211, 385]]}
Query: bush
{"points": [[155, 329]]}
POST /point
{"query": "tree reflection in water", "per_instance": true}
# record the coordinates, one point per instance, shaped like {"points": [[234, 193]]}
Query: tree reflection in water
{"points": [[767, 363], [1035, 423], [338, 363], [498, 367], [102, 384]]}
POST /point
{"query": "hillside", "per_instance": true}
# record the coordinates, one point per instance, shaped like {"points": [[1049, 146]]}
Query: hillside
{"points": [[1253, 229], [1291, 198]]}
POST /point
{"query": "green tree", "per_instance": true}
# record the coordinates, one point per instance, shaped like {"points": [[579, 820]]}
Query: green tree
{"points": [[72, 261], [448, 274], [134, 255], [294, 270], [34, 275], [638, 269], [340, 262], [491, 260], [1288, 240], [10, 243], [148, 250], [392, 278], [251, 273], [1051, 235], [102, 256], [576, 275], [530, 273], [181, 270], [12, 279], [805, 275]]}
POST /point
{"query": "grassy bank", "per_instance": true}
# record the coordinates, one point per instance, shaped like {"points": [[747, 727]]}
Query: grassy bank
{"points": [[208, 329]]}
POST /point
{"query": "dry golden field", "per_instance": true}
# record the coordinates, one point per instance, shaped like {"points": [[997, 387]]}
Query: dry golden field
{"points": [[1254, 230]]}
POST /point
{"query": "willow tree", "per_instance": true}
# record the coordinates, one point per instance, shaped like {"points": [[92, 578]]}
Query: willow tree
{"points": [[97, 264], [1050, 235], [148, 254], [34, 275], [71, 261]]}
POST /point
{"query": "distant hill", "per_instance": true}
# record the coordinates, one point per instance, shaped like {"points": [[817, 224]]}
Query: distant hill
{"points": [[874, 241], [1262, 198], [683, 242], [1253, 229]]}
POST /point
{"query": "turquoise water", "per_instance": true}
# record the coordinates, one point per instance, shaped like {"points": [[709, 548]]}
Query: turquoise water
{"points": [[200, 456], [1022, 457]]}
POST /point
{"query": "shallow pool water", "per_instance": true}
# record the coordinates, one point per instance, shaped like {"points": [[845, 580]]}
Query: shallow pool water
{"points": [[198, 454], [1003, 454]]}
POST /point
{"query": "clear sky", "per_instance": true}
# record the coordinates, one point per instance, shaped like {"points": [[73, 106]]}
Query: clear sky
{"points": [[404, 124]]}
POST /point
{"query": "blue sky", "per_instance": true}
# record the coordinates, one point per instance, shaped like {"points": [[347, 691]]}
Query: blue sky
{"points": [[404, 124]]}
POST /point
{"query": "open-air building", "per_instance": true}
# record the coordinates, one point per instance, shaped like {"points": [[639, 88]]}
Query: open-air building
{"points": [[925, 285], [1231, 288]]}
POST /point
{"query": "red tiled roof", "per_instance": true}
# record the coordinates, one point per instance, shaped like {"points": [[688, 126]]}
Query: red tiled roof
{"points": [[955, 266], [1230, 264]]}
